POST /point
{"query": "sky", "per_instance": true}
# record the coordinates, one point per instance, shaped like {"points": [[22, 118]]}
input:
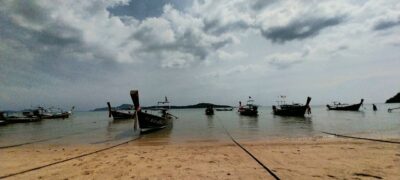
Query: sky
{"points": [[85, 53]]}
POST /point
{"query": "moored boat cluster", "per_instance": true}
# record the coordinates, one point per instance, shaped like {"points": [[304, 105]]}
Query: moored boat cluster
{"points": [[33, 115], [149, 121]]}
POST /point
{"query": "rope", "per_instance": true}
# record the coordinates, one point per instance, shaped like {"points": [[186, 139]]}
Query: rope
{"points": [[48, 139], [31, 142], [248, 152], [50, 128], [65, 160], [368, 139]]}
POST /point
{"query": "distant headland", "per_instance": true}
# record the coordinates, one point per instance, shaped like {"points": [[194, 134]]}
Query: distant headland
{"points": [[199, 105], [394, 99]]}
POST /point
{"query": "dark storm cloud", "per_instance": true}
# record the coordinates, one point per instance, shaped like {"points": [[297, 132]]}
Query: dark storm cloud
{"points": [[284, 61], [386, 24], [215, 26], [142, 9], [36, 50], [29, 24], [300, 29], [261, 4]]}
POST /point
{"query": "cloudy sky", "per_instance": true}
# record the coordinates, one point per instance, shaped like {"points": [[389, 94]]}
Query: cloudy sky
{"points": [[84, 53]]}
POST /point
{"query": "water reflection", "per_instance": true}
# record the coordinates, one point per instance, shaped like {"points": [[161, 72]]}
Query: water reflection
{"points": [[210, 121], [120, 129], [90, 127], [297, 126], [248, 122], [159, 135]]}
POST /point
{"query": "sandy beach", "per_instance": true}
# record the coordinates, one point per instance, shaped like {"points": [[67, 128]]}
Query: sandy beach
{"points": [[308, 158]]}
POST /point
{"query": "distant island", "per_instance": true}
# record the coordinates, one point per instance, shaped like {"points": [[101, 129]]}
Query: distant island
{"points": [[121, 107], [394, 99], [199, 105]]}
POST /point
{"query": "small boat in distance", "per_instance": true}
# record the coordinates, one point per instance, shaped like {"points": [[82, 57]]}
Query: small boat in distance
{"points": [[391, 109], [294, 109], [249, 109], [71, 111], [8, 118], [47, 113], [344, 107], [51, 113], [119, 114], [146, 121], [209, 110], [224, 109], [374, 107]]}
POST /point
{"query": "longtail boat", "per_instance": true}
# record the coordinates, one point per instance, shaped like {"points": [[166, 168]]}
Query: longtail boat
{"points": [[294, 109], [224, 109], [119, 114], [209, 110], [49, 113], [391, 109], [249, 109], [345, 107], [7, 118], [3, 122], [146, 121]]}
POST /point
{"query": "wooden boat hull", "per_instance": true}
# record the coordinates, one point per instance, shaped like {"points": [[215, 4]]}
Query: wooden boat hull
{"points": [[117, 115], [248, 112], [354, 107], [391, 109], [292, 110], [249, 109], [16, 119], [55, 116], [209, 111], [149, 122], [3, 122], [224, 109], [10, 120], [297, 111]]}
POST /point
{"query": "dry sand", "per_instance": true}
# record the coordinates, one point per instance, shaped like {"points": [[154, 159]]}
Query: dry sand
{"points": [[312, 158]]}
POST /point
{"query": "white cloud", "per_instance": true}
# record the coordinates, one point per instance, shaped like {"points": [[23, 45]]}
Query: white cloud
{"points": [[285, 60], [46, 42], [224, 55]]}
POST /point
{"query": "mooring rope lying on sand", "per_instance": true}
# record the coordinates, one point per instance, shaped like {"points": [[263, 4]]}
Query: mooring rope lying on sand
{"points": [[30, 142], [48, 139], [68, 159], [361, 138], [248, 152]]}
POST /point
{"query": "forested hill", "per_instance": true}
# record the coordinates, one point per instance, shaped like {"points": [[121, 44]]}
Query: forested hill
{"points": [[394, 99]]}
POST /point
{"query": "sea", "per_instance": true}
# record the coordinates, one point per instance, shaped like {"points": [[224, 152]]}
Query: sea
{"points": [[192, 125]]}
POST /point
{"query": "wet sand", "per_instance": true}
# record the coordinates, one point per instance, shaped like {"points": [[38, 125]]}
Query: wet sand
{"points": [[308, 158]]}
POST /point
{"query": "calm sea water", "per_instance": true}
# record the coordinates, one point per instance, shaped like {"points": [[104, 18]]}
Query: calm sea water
{"points": [[193, 125]]}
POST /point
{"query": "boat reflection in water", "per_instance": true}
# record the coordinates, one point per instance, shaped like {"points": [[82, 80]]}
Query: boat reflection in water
{"points": [[298, 126], [210, 122], [249, 122], [209, 111]]}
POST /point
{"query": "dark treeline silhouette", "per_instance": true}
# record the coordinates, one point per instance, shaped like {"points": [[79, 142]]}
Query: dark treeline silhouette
{"points": [[394, 99]]}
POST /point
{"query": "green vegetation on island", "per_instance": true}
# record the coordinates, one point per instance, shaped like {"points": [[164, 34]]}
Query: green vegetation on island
{"points": [[394, 99]]}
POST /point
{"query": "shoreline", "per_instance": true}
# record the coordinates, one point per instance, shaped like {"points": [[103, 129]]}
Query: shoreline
{"points": [[288, 158]]}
